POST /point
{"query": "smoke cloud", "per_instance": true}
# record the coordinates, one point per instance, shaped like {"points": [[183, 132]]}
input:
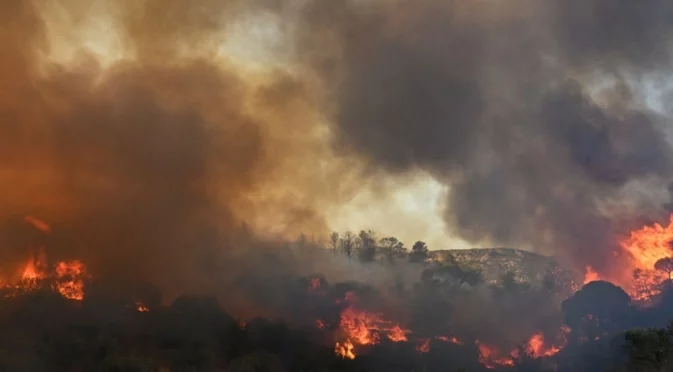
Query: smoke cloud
{"points": [[533, 113]]}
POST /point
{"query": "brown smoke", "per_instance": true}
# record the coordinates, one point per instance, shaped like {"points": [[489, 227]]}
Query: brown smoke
{"points": [[146, 167]]}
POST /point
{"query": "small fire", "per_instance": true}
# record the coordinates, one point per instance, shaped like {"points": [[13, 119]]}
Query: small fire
{"points": [[537, 348], [361, 327], [490, 357], [142, 308], [590, 275], [345, 350], [70, 279], [452, 340]]}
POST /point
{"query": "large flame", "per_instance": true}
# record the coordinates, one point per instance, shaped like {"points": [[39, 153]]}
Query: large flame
{"points": [[646, 246]]}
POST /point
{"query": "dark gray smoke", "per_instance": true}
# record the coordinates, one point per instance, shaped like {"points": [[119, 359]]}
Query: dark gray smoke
{"points": [[501, 100]]}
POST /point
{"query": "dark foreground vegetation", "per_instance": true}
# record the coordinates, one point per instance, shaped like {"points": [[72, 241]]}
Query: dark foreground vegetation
{"points": [[42, 331]]}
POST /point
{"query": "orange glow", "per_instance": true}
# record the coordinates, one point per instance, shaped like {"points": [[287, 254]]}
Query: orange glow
{"points": [[30, 272], [590, 275], [424, 346], [70, 279], [142, 308], [315, 284]]}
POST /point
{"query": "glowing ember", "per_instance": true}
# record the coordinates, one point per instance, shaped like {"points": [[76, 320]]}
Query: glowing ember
{"points": [[590, 275], [424, 346], [345, 350], [38, 224], [452, 340], [69, 279], [142, 308], [315, 284]]}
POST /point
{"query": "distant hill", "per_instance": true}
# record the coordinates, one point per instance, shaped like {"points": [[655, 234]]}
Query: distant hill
{"points": [[495, 262]]}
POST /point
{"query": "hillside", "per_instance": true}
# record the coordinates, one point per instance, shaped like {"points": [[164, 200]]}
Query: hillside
{"points": [[494, 263]]}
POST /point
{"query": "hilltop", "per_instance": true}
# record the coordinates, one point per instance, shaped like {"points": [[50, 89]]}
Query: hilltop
{"points": [[494, 263]]}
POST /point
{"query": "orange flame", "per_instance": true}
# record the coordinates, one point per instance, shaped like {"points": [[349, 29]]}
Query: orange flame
{"points": [[590, 275], [142, 308], [364, 328]]}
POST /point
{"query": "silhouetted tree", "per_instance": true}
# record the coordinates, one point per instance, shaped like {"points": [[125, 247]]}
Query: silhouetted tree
{"points": [[419, 252], [645, 283], [665, 265], [392, 248], [367, 251], [334, 241], [348, 243]]}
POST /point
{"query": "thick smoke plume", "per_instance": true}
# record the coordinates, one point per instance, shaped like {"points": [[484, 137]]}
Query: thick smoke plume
{"points": [[533, 112], [149, 167]]}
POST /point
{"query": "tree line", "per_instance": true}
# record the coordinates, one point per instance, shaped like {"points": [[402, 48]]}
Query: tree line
{"points": [[365, 247]]}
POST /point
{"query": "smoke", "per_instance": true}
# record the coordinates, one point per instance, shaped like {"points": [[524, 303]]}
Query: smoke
{"points": [[149, 167], [533, 113]]}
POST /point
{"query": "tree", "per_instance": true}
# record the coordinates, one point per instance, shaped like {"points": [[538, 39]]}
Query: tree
{"points": [[334, 241], [348, 243], [650, 349], [665, 265], [367, 251], [419, 252], [591, 318], [392, 248]]}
